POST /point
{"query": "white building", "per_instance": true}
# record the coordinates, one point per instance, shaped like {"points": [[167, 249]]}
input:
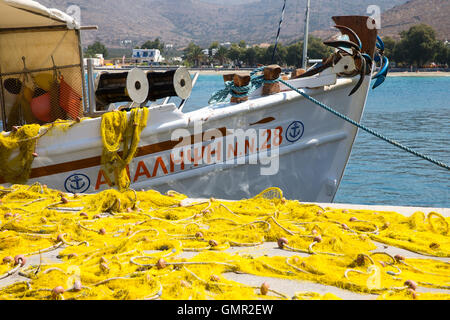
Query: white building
{"points": [[207, 53], [146, 55], [98, 61]]}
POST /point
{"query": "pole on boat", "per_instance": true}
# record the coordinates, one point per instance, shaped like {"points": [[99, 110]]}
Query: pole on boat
{"points": [[2, 102], [91, 89], [305, 39]]}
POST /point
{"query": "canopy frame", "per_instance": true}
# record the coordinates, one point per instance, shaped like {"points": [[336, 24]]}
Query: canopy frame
{"points": [[40, 29]]}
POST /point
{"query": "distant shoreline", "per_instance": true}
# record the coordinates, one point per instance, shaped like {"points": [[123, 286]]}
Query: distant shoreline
{"points": [[392, 74], [247, 71], [419, 74]]}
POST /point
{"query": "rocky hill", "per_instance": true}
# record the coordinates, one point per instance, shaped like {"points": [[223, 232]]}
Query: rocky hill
{"points": [[203, 21], [435, 13]]}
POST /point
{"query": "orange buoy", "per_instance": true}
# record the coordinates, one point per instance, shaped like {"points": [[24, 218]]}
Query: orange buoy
{"points": [[69, 99], [41, 108]]}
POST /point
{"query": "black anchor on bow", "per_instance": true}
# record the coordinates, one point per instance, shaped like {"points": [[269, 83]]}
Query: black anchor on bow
{"points": [[352, 47]]}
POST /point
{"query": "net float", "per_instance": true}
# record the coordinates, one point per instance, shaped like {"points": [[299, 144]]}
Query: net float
{"points": [[161, 264], [199, 235], [7, 259], [57, 291], [214, 278], [413, 293], [264, 288], [213, 243], [411, 284], [282, 242], [20, 259]]}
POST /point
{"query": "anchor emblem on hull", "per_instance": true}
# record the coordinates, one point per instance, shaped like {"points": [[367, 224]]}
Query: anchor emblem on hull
{"points": [[77, 183], [295, 131]]}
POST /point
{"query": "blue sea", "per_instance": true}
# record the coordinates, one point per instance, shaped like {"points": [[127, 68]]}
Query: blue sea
{"points": [[415, 111]]}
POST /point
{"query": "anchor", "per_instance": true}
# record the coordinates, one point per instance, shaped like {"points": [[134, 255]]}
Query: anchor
{"points": [[77, 181], [295, 131], [351, 47], [383, 61]]}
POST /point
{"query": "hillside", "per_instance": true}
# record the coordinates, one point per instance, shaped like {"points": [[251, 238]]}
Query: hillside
{"points": [[432, 12], [203, 21]]}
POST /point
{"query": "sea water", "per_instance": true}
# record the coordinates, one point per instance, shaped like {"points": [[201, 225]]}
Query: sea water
{"points": [[415, 111]]}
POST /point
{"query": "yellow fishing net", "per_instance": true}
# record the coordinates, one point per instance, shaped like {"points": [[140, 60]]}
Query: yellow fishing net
{"points": [[16, 153], [117, 131], [145, 245], [17, 149]]}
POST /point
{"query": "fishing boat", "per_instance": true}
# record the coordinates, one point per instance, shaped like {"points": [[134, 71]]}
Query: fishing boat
{"points": [[266, 135]]}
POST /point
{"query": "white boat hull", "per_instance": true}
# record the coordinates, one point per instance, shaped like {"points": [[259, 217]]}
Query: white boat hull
{"points": [[312, 159]]}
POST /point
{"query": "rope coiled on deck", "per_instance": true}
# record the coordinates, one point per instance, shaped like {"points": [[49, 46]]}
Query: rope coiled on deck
{"points": [[256, 81]]}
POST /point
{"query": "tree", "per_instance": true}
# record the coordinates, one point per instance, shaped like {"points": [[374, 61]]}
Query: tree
{"points": [[234, 53], [194, 54], [442, 53], [294, 55], [156, 44], [214, 45], [417, 45], [242, 44], [280, 55], [400, 53], [221, 54], [260, 55], [96, 48], [249, 57], [317, 50], [389, 47]]}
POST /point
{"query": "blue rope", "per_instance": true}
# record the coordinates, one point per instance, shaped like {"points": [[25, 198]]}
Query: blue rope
{"points": [[239, 92], [279, 30], [368, 130], [257, 81]]}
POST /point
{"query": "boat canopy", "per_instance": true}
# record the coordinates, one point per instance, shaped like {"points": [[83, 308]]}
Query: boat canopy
{"points": [[29, 14], [41, 65]]}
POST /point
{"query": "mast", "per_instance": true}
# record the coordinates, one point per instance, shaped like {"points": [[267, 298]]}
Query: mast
{"points": [[305, 39]]}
